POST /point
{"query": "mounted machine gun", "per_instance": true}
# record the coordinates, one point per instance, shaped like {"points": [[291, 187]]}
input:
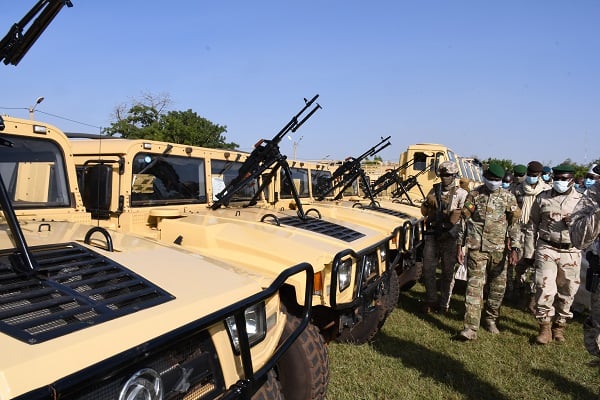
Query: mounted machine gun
{"points": [[404, 186], [16, 43], [266, 155], [350, 170]]}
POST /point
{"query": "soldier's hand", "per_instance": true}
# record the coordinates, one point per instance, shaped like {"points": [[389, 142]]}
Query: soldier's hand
{"points": [[431, 201], [460, 255], [513, 257]]}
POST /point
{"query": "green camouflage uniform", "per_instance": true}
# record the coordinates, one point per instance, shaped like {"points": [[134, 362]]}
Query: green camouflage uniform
{"points": [[491, 219], [584, 232], [557, 261]]}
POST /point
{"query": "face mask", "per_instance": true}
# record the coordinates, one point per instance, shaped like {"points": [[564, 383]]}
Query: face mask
{"points": [[505, 185], [546, 177], [561, 186], [492, 185], [589, 182], [520, 179], [532, 180]]}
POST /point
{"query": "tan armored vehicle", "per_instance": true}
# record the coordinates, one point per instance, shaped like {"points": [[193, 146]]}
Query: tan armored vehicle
{"points": [[164, 191], [87, 311]]}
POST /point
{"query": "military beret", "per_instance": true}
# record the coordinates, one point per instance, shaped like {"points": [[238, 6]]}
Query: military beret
{"points": [[546, 169], [520, 169], [535, 166], [496, 169], [596, 169], [563, 169], [447, 167]]}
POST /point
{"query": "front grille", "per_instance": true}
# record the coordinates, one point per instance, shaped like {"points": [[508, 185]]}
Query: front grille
{"points": [[188, 370], [74, 288], [323, 227]]}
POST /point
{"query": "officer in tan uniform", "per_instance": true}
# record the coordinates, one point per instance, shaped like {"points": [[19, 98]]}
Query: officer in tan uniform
{"points": [[491, 233], [442, 209], [556, 260], [584, 232]]}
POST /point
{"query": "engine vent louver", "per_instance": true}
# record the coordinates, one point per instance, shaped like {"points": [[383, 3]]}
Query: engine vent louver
{"points": [[323, 227], [388, 211], [74, 288]]}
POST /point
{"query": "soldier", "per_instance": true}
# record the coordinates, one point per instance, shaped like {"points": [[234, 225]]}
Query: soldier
{"points": [[507, 181], [519, 172], [442, 209], [591, 177], [584, 232], [490, 215], [525, 194], [547, 174], [557, 261]]}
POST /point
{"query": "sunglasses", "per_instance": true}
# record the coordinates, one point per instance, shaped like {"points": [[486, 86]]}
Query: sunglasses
{"points": [[562, 178], [519, 175]]}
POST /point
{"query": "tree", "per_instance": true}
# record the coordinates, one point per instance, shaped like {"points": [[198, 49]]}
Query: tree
{"points": [[146, 118]]}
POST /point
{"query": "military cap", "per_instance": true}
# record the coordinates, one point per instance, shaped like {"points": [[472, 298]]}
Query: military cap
{"points": [[520, 169], [563, 169], [546, 169], [448, 167], [496, 170], [596, 169], [535, 166]]}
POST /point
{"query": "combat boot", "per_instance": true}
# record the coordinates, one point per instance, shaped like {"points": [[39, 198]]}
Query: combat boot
{"points": [[490, 326], [545, 335], [467, 334], [558, 332], [429, 308], [531, 304]]}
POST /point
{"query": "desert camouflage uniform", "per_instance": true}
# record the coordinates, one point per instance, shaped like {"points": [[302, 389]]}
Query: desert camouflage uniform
{"points": [[491, 219], [440, 243], [525, 195], [557, 261], [584, 232]]}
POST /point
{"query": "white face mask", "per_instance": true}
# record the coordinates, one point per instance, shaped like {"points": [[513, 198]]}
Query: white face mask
{"points": [[561, 186], [492, 185]]}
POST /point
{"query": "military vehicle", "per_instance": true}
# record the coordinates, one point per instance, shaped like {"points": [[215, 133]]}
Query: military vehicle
{"points": [[164, 190]]}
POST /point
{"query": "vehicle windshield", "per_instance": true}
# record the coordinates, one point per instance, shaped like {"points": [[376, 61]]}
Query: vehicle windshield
{"points": [[159, 179], [320, 182], [300, 179], [223, 173], [34, 173]]}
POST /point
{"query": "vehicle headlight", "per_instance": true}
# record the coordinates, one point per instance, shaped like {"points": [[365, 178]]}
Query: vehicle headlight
{"points": [[344, 274], [370, 267], [256, 326]]}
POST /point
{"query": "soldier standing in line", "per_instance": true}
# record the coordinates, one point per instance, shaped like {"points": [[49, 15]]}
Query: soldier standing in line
{"points": [[519, 172], [584, 232], [591, 177], [525, 193], [547, 174], [442, 209], [490, 221], [557, 261]]}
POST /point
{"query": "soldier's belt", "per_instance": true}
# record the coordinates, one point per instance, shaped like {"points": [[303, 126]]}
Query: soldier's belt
{"points": [[556, 245]]}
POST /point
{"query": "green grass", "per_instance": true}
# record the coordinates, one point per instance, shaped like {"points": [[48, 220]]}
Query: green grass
{"points": [[415, 356]]}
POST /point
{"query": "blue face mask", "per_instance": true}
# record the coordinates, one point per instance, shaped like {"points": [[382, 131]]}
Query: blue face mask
{"points": [[492, 185], [561, 186], [589, 182], [531, 180], [546, 177], [505, 185]]}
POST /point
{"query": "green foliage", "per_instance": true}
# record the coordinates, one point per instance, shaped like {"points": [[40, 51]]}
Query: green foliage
{"points": [[148, 121], [415, 356]]}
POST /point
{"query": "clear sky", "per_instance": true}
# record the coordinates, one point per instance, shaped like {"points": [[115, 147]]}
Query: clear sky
{"points": [[511, 79]]}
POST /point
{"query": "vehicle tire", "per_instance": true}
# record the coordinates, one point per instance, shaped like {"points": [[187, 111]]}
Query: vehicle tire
{"points": [[391, 296], [365, 330], [270, 390], [304, 368]]}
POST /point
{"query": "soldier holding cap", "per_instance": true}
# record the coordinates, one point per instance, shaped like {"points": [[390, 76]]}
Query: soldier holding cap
{"points": [[556, 260], [490, 214], [584, 233], [525, 193], [442, 209]]}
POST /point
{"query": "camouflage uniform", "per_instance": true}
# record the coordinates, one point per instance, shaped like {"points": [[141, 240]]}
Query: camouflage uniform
{"points": [[440, 243], [525, 195], [491, 218], [557, 261], [584, 232]]}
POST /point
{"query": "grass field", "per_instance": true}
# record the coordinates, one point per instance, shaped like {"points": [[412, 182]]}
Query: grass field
{"points": [[415, 356]]}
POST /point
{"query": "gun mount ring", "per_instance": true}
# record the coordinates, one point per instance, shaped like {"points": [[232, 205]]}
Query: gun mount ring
{"points": [[272, 217], [315, 210]]}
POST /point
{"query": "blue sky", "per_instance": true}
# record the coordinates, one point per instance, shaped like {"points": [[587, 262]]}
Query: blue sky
{"points": [[513, 80]]}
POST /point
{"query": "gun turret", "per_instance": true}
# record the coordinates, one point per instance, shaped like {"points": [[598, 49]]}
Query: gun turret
{"points": [[404, 186], [266, 155], [16, 43], [351, 169]]}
